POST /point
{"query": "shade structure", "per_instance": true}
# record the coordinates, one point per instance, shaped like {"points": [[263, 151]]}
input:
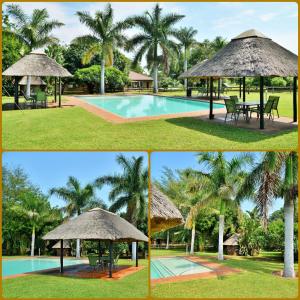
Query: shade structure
{"points": [[233, 240], [35, 80], [249, 54], [163, 213], [36, 64], [66, 245], [134, 76], [97, 224]]}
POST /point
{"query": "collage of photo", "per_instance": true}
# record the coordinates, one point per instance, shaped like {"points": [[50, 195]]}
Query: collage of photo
{"points": [[149, 150]]}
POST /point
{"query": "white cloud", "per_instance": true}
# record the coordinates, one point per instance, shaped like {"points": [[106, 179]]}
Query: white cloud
{"points": [[268, 16]]}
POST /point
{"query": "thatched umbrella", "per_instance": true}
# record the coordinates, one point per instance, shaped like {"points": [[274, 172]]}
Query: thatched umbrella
{"points": [[36, 64], [97, 224], [35, 80], [249, 54], [66, 247], [163, 214]]}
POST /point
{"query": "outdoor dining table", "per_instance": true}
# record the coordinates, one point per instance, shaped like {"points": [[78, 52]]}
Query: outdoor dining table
{"points": [[246, 106]]}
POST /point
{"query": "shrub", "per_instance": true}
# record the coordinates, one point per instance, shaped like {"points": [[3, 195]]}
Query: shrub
{"points": [[278, 82]]}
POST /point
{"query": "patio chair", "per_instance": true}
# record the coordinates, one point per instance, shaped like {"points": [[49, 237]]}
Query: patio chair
{"points": [[235, 98], [93, 261], [115, 261], [201, 91], [275, 104], [267, 110], [41, 97], [232, 108]]}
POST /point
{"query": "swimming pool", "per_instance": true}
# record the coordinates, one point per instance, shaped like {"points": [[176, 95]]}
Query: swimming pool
{"points": [[146, 105], [20, 266], [175, 266]]}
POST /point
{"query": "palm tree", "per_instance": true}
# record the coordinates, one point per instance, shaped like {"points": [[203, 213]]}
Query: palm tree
{"points": [[129, 190], [154, 38], [33, 31], [77, 200], [186, 38], [218, 43], [106, 36], [225, 177], [276, 175]]}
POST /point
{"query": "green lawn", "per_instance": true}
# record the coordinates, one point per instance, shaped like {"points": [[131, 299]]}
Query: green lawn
{"points": [[255, 280], [77, 129], [49, 286]]}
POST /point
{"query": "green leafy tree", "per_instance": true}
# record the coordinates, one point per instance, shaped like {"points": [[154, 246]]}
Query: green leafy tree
{"points": [[106, 36], [156, 32], [77, 199]]}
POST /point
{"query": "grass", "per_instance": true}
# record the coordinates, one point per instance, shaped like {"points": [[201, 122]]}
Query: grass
{"points": [[50, 286], [255, 280], [77, 129]]}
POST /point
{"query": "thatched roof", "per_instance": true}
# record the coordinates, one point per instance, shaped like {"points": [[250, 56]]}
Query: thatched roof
{"points": [[249, 54], [97, 224], [36, 64], [233, 240], [163, 214], [134, 76], [66, 245], [35, 80]]}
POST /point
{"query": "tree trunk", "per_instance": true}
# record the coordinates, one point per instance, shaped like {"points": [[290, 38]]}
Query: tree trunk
{"points": [[193, 239], [185, 68], [78, 248], [28, 84], [221, 233], [288, 239], [32, 241], [133, 250], [155, 79], [102, 79], [168, 237]]}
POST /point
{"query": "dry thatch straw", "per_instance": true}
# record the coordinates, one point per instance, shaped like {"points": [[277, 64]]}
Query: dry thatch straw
{"points": [[97, 224], [134, 76], [163, 214], [249, 54], [35, 80], [36, 64], [66, 245], [233, 240]]}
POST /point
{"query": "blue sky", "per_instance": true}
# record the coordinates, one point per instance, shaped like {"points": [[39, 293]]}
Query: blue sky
{"points": [[52, 169], [182, 160], [277, 20]]}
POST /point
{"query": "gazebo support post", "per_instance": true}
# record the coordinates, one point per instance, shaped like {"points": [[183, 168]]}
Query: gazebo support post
{"points": [[55, 89], [261, 103], [110, 258], [244, 89], [16, 106], [211, 85], [295, 99], [136, 255], [59, 92], [61, 256], [240, 82]]}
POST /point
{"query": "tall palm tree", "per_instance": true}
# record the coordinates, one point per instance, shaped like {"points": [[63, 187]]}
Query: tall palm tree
{"points": [[186, 38], [226, 176], [218, 43], [106, 36], [129, 190], [77, 199], [157, 29], [34, 30], [276, 175]]}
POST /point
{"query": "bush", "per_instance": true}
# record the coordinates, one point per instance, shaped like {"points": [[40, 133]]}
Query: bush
{"points": [[168, 82], [278, 82], [115, 80]]}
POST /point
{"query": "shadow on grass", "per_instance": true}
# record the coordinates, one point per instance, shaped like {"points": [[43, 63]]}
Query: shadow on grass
{"points": [[226, 131]]}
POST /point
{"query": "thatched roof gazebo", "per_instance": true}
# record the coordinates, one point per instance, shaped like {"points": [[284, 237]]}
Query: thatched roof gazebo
{"points": [[163, 213], [36, 64], [97, 224], [249, 54], [232, 244], [35, 80]]}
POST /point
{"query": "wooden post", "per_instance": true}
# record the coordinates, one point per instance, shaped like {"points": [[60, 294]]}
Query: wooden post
{"points": [[295, 99], [16, 106], [61, 256], [137, 254], [59, 92], [55, 89], [110, 258], [261, 104], [99, 249], [211, 84], [244, 89], [240, 82], [219, 87]]}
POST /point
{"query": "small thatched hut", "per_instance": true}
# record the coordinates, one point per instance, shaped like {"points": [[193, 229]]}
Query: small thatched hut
{"points": [[36, 64], [140, 81], [66, 248], [97, 224], [231, 245], [249, 54], [163, 213]]}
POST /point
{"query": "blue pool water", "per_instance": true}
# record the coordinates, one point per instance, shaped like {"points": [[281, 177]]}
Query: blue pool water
{"points": [[20, 266], [175, 266], [146, 105]]}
